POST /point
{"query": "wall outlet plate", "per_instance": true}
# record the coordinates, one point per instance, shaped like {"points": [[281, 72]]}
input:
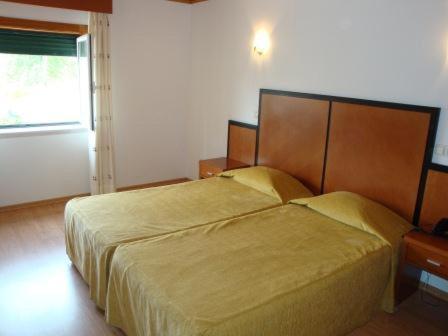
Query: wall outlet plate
{"points": [[438, 150], [441, 150]]}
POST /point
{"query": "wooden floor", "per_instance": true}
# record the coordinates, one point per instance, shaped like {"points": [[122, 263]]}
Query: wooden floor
{"points": [[41, 293]]}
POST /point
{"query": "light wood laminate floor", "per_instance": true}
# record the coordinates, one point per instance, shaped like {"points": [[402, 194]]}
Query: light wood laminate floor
{"points": [[41, 293]]}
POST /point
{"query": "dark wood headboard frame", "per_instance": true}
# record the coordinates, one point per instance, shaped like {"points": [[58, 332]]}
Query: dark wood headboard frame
{"points": [[430, 138], [438, 167]]}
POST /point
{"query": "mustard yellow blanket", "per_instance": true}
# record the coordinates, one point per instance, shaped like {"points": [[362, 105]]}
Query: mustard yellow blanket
{"points": [[284, 271], [95, 226]]}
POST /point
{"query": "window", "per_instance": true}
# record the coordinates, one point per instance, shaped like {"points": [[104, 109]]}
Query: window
{"points": [[39, 79]]}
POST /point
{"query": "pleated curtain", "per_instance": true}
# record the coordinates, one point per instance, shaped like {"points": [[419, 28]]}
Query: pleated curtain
{"points": [[101, 145]]}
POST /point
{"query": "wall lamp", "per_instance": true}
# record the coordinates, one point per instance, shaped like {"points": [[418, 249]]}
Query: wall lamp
{"points": [[262, 42]]}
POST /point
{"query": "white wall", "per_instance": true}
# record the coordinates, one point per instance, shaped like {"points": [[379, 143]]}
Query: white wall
{"points": [[47, 165], [43, 166], [382, 50], [150, 79], [150, 74]]}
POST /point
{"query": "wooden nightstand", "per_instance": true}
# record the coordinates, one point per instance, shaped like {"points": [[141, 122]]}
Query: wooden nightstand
{"points": [[421, 252], [212, 167]]}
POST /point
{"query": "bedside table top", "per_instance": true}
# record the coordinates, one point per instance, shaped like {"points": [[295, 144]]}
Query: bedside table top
{"points": [[224, 163], [427, 241]]}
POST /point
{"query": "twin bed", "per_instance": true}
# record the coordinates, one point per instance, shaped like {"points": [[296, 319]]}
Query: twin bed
{"points": [[285, 271], [96, 225], [252, 252]]}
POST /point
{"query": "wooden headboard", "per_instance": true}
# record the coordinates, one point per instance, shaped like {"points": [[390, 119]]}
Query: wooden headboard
{"points": [[377, 149], [292, 135], [241, 142], [434, 204]]}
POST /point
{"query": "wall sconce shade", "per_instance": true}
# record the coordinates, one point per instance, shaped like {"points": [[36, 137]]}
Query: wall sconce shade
{"points": [[261, 42]]}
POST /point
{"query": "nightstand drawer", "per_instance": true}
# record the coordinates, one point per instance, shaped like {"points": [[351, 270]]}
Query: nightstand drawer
{"points": [[212, 167], [206, 171], [427, 260]]}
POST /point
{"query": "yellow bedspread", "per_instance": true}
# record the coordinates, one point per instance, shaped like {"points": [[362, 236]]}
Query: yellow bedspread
{"points": [[284, 271], [95, 226]]}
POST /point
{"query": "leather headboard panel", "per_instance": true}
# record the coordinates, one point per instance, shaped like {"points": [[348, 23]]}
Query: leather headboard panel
{"points": [[241, 142], [435, 204], [377, 152], [292, 136]]}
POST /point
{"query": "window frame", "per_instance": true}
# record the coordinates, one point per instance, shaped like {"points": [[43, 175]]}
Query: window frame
{"points": [[65, 123]]}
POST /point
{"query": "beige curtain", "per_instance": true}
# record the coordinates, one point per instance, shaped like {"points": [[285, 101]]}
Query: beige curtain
{"points": [[101, 151]]}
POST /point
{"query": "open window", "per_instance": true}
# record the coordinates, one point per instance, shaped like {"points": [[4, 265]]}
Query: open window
{"points": [[85, 80], [44, 79]]}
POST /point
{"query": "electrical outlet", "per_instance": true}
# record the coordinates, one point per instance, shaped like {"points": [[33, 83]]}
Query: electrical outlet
{"points": [[438, 150], [441, 150]]}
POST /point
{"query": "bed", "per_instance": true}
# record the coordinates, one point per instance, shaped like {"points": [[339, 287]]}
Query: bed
{"points": [[96, 225], [322, 266], [299, 269]]}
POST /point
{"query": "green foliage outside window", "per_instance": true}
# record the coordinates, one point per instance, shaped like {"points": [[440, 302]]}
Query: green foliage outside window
{"points": [[31, 89]]}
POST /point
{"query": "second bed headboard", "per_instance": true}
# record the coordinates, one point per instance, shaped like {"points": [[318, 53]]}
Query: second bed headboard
{"points": [[241, 140], [377, 149]]}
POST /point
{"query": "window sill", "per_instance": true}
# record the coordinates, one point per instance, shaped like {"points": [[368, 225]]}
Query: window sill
{"points": [[42, 130]]}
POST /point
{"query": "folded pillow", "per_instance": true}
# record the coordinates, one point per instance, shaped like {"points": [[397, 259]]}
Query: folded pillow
{"points": [[360, 212], [270, 181], [367, 215]]}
